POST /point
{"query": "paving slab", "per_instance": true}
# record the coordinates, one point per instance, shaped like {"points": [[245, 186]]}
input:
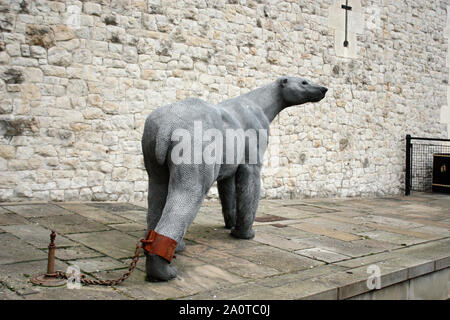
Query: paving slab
{"points": [[444, 232], [246, 291], [283, 231], [416, 266], [113, 243], [365, 260], [307, 288], [209, 214], [206, 277], [346, 227], [322, 255], [93, 213], [287, 278], [276, 258], [420, 207], [116, 207], [312, 208], [350, 248], [17, 250], [328, 232], [36, 235], [128, 227], [97, 264], [154, 290], [434, 251], [390, 237], [284, 212], [393, 222], [3, 210], [236, 265], [139, 234], [37, 210], [9, 218], [83, 293], [406, 232], [137, 216], [17, 276], [278, 242], [218, 238], [77, 252], [440, 223], [7, 294], [268, 218], [412, 256], [69, 224]]}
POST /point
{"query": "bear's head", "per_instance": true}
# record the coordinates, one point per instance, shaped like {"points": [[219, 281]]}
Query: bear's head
{"points": [[296, 90]]}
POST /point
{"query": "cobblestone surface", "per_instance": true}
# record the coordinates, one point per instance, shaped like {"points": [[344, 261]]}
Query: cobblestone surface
{"points": [[327, 258]]}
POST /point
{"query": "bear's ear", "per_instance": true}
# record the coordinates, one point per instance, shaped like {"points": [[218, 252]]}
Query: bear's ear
{"points": [[283, 82]]}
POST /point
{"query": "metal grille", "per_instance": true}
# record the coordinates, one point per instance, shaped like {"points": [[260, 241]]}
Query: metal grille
{"points": [[419, 166], [422, 165]]}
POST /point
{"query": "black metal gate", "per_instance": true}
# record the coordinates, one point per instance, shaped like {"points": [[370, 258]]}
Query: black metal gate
{"points": [[419, 162]]}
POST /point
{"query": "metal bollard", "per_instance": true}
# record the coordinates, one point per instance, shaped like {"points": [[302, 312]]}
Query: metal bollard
{"points": [[49, 279], [51, 254]]}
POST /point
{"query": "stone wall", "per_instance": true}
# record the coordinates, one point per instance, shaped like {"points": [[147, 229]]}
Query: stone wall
{"points": [[78, 79]]}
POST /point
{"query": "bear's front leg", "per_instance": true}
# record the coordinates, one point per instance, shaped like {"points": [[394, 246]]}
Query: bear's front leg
{"points": [[227, 195], [248, 186]]}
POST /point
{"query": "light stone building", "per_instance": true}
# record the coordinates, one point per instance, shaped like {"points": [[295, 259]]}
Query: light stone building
{"points": [[78, 79]]}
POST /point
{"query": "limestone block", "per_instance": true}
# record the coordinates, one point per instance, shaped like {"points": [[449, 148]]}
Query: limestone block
{"points": [[62, 32], [40, 35], [59, 56], [92, 8], [13, 49], [119, 173], [57, 195], [7, 151], [95, 178], [6, 106]]}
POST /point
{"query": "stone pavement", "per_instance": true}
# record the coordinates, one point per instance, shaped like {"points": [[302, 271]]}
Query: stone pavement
{"points": [[312, 249]]}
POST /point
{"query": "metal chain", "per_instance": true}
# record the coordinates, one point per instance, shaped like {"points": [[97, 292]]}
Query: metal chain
{"points": [[85, 280]]}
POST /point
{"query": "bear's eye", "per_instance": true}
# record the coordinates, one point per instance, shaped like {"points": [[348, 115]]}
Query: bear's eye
{"points": [[304, 83]]}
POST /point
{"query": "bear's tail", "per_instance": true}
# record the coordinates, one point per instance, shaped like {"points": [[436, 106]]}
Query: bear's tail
{"points": [[155, 142]]}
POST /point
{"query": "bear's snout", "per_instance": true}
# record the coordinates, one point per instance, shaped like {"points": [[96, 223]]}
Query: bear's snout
{"points": [[324, 90]]}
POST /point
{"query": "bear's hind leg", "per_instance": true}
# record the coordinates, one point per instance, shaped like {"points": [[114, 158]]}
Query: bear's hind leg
{"points": [[227, 194], [184, 199], [156, 199]]}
